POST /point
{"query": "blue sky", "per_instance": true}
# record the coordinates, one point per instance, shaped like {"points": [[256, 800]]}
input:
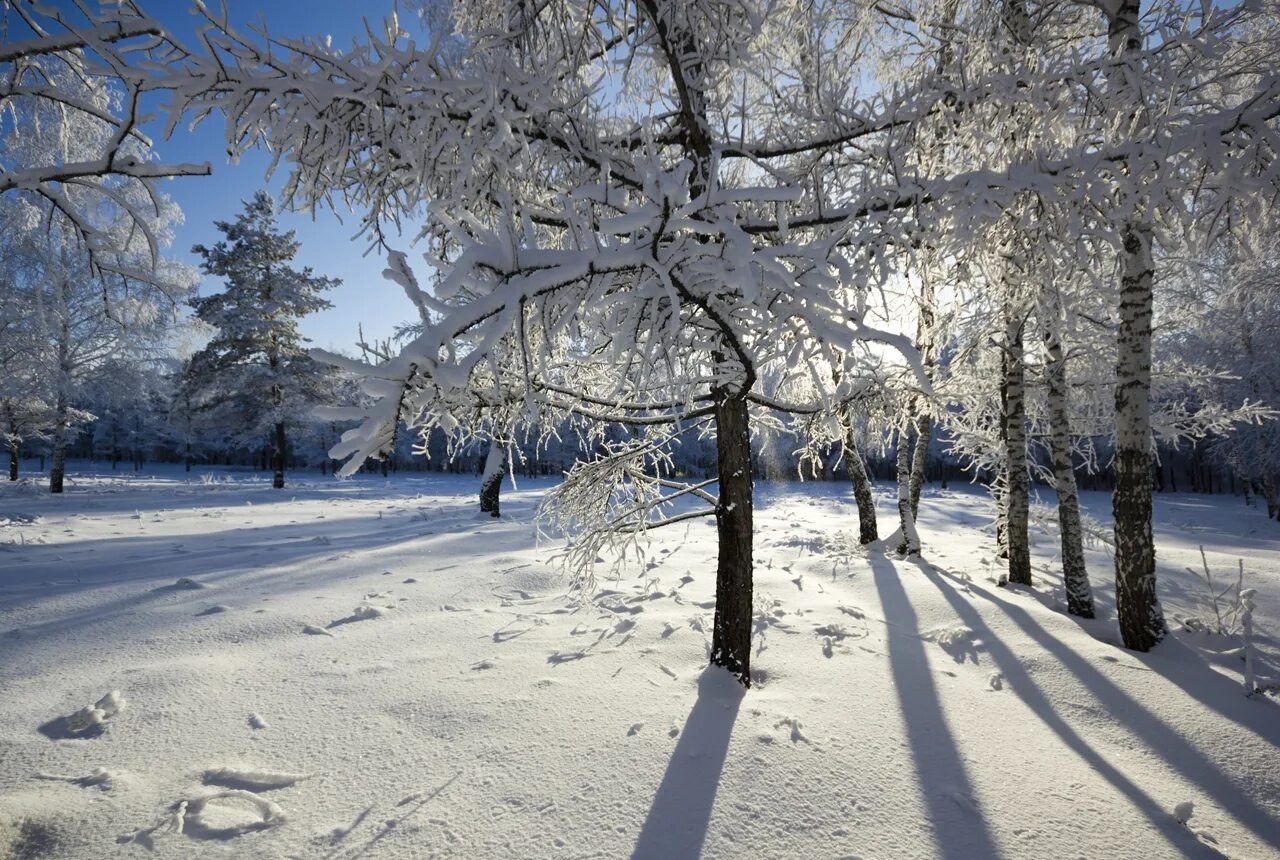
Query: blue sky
{"points": [[365, 297]]}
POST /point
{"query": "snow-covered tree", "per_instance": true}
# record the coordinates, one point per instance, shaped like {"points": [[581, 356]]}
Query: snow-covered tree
{"points": [[660, 214], [71, 111], [255, 375]]}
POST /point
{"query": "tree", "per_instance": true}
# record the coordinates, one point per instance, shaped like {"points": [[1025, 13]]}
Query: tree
{"points": [[650, 252], [78, 74], [255, 374]]}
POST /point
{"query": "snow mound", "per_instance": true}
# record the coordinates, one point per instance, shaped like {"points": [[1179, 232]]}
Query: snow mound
{"points": [[245, 779], [257, 722], [91, 716]]}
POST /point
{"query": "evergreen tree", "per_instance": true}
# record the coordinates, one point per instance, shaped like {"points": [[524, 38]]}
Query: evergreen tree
{"points": [[255, 374]]}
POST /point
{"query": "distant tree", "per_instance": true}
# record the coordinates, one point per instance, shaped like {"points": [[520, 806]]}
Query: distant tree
{"points": [[255, 375]]}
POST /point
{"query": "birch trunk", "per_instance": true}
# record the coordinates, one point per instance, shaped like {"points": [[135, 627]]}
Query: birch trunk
{"points": [[910, 544], [495, 467], [731, 631], [1017, 482], [1141, 618], [1138, 608], [1075, 577], [924, 432]]}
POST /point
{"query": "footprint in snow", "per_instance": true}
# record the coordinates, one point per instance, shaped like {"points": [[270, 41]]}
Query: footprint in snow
{"points": [[222, 815]]}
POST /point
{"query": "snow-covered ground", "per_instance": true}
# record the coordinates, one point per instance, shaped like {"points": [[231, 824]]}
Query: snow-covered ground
{"points": [[370, 668]]}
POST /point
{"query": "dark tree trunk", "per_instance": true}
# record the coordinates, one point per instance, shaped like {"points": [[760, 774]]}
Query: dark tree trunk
{"points": [[867, 529], [277, 481], [13, 459], [731, 633]]}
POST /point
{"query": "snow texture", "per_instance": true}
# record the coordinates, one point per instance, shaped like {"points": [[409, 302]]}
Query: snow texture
{"points": [[895, 700]]}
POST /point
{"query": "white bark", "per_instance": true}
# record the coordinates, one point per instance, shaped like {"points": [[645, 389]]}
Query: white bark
{"points": [[1075, 576], [1141, 618], [1017, 481], [910, 544]]}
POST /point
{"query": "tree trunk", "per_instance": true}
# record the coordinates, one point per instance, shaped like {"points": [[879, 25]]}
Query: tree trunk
{"points": [[1142, 623], [277, 480], [13, 458], [910, 544], [59, 445], [867, 530], [1074, 575], [495, 467], [1141, 619], [1017, 483], [61, 408], [924, 431], [731, 632]]}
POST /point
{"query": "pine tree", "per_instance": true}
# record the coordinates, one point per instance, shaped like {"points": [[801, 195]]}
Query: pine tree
{"points": [[255, 374]]}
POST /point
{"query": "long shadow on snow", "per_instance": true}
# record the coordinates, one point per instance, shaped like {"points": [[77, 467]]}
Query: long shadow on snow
{"points": [[180, 553], [1185, 668], [677, 822], [960, 834], [214, 564], [1166, 743]]}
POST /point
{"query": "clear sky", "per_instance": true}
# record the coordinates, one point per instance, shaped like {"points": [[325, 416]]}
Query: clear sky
{"points": [[364, 297]]}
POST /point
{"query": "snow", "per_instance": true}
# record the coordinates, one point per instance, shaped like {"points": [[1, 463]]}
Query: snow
{"points": [[901, 708]]}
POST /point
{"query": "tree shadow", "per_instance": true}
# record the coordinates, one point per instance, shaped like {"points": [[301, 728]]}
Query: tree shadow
{"points": [[960, 827], [1165, 742], [681, 811]]}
